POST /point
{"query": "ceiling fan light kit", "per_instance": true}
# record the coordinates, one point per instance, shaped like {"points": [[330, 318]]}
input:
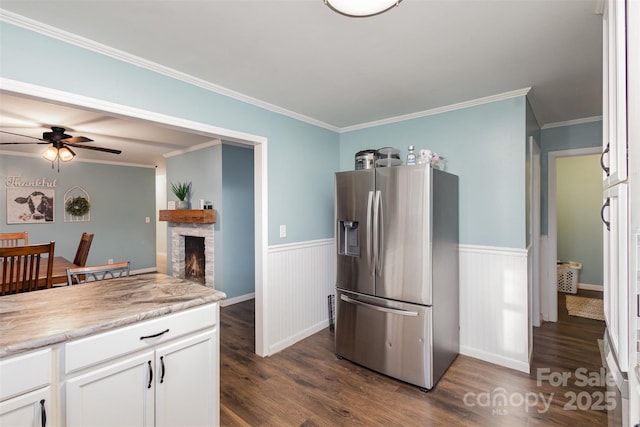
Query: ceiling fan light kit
{"points": [[63, 153], [361, 8], [61, 143]]}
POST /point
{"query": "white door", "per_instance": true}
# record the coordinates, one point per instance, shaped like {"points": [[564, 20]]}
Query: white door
{"points": [[120, 394], [27, 410], [187, 383]]}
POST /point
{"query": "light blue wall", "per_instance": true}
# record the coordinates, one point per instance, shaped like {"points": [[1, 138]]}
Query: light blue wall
{"points": [[570, 137], [485, 146], [238, 206], [223, 174], [578, 203], [301, 157], [121, 198]]}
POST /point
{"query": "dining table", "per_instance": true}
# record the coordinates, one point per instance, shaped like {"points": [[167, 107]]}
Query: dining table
{"points": [[59, 274]]}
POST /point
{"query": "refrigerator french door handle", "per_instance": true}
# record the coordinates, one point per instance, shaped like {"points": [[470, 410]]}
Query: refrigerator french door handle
{"points": [[409, 313], [369, 234], [380, 228], [376, 231]]}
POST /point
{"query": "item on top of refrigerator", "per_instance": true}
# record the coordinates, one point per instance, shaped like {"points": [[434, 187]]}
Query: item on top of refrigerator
{"points": [[388, 156], [366, 159], [431, 158], [424, 157], [411, 156]]}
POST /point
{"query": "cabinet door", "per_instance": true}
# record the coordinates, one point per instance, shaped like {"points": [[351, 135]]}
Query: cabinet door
{"points": [[616, 296], [119, 394], [614, 108], [27, 410], [187, 385]]}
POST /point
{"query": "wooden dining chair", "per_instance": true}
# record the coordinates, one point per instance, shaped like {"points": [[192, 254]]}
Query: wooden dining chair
{"points": [[77, 275], [22, 270], [20, 238], [83, 250]]}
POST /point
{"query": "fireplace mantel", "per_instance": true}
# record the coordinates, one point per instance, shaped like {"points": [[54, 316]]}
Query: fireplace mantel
{"points": [[191, 216]]}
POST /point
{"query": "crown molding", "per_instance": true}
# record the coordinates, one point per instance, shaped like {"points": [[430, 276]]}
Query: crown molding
{"points": [[572, 122], [439, 110], [85, 43]]}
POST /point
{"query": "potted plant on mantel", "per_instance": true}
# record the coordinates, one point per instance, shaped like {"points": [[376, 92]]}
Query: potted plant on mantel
{"points": [[181, 191]]}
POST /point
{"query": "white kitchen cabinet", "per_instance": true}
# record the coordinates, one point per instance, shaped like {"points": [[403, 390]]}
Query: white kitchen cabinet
{"points": [[27, 410], [25, 389], [186, 386], [120, 394], [614, 106], [616, 289], [163, 372]]}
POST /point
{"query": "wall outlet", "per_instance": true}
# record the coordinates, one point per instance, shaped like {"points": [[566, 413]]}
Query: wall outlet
{"points": [[147, 219], [283, 231], [110, 261]]}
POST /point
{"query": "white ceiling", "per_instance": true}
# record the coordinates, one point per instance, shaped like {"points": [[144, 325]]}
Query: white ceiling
{"points": [[299, 56]]}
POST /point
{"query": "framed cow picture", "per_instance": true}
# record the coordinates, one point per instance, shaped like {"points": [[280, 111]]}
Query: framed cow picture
{"points": [[29, 205]]}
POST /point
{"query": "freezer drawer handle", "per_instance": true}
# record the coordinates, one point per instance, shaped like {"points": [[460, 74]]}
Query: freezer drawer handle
{"points": [[378, 308]]}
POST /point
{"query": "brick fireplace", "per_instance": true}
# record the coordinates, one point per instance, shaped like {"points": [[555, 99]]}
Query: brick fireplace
{"points": [[178, 233], [194, 223]]}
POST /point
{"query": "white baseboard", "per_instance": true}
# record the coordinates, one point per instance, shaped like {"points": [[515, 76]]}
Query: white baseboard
{"points": [[590, 287], [495, 359], [236, 300], [289, 341]]}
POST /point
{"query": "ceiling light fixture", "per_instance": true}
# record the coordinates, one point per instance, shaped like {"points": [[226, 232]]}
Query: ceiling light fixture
{"points": [[361, 8], [58, 151]]}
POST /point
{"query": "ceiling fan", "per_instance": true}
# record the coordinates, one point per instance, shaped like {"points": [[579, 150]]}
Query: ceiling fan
{"points": [[61, 144]]}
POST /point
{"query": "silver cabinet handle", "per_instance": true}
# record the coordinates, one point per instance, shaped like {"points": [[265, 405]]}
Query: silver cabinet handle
{"points": [[345, 298]]}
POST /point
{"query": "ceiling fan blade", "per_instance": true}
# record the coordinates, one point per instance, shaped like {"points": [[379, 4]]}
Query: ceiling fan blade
{"points": [[21, 143], [25, 136], [88, 147], [76, 139]]}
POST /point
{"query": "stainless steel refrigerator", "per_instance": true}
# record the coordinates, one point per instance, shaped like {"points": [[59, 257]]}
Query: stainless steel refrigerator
{"points": [[397, 271]]}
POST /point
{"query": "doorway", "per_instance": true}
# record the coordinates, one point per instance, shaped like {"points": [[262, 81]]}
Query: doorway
{"points": [[258, 143], [550, 292]]}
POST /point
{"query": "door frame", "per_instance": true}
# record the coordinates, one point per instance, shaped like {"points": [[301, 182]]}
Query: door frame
{"points": [[259, 144], [536, 291], [550, 288]]}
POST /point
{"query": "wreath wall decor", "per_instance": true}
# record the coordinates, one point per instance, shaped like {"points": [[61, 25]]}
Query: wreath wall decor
{"points": [[77, 206]]}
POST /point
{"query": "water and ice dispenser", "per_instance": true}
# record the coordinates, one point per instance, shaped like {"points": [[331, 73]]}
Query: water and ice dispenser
{"points": [[348, 238]]}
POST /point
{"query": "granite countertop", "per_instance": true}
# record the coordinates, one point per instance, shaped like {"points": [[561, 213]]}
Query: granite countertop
{"points": [[37, 319]]}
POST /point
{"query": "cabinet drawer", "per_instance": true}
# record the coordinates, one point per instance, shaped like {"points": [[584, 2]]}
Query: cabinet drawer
{"points": [[102, 347], [24, 373]]}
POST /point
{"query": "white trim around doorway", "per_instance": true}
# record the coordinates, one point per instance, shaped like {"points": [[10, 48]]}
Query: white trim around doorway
{"points": [[550, 286], [259, 144]]}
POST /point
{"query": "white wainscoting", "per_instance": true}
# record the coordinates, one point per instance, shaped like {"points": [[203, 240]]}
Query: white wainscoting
{"points": [[493, 299], [494, 305], [300, 277]]}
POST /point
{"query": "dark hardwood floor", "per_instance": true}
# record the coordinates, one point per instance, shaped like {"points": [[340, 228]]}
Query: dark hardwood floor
{"points": [[306, 385]]}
